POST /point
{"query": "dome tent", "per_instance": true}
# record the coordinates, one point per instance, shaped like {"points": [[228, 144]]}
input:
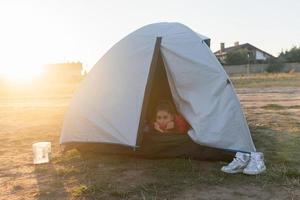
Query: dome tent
{"points": [[112, 103]]}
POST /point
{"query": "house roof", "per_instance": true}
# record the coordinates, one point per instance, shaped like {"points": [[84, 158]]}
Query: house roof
{"points": [[241, 46]]}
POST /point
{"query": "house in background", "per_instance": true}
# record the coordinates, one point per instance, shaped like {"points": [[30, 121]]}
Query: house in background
{"points": [[64, 72], [255, 55]]}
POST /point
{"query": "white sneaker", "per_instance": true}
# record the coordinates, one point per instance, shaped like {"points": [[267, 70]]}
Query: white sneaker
{"points": [[256, 164], [238, 164]]}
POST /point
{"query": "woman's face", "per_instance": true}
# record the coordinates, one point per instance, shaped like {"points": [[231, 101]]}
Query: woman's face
{"points": [[163, 118]]}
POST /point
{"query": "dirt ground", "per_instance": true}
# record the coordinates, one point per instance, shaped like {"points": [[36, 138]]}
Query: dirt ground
{"points": [[273, 114]]}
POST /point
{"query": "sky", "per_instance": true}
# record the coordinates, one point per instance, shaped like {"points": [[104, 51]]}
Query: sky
{"points": [[35, 32]]}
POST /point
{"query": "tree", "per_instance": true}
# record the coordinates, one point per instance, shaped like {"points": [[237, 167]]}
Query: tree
{"points": [[237, 57], [292, 55]]}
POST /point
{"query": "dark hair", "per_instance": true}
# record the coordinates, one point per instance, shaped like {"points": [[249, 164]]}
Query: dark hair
{"points": [[165, 106]]}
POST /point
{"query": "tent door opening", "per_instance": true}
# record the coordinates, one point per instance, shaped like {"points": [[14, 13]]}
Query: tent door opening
{"points": [[157, 90]]}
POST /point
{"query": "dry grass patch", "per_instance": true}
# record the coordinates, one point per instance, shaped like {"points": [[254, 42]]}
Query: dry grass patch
{"points": [[266, 80]]}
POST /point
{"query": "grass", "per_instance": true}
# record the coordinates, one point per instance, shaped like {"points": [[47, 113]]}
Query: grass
{"points": [[273, 107], [67, 171], [170, 176], [80, 190], [69, 157], [281, 148], [16, 188], [279, 107], [275, 129], [266, 80]]}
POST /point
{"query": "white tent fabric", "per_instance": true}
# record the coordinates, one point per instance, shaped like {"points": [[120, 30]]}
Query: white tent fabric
{"points": [[108, 104]]}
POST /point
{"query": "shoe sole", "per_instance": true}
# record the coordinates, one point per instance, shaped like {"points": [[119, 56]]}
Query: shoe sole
{"points": [[232, 172], [254, 173]]}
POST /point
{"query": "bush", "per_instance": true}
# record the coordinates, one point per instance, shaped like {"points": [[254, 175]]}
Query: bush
{"points": [[275, 65]]}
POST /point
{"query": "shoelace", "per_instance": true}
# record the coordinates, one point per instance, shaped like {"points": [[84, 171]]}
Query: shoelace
{"points": [[253, 163]]}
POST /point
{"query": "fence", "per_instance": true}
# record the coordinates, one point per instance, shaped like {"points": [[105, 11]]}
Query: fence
{"points": [[258, 68]]}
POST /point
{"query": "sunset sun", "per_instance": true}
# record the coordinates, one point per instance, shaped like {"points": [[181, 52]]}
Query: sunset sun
{"points": [[21, 74]]}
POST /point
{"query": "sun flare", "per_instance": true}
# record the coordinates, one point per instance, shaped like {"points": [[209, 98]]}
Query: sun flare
{"points": [[18, 74]]}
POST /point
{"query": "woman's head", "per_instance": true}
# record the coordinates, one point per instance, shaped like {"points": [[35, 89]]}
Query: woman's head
{"points": [[165, 113]]}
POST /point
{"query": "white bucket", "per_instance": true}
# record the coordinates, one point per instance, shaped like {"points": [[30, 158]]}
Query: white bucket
{"points": [[41, 152]]}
